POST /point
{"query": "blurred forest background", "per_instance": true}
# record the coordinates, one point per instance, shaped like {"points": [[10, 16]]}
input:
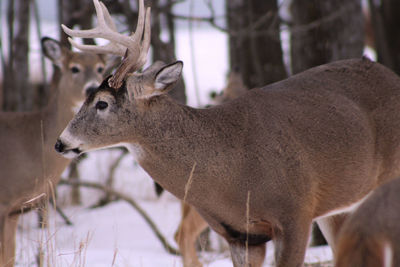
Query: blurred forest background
{"points": [[313, 32], [266, 40]]}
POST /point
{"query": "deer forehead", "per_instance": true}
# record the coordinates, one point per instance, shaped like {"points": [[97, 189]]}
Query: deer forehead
{"points": [[103, 96], [85, 60]]}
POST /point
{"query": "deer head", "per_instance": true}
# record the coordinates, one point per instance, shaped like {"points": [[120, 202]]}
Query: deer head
{"points": [[80, 72], [104, 105], [107, 111]]}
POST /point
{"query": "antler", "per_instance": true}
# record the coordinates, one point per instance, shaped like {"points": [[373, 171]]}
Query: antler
{"points": [[133, 48]]}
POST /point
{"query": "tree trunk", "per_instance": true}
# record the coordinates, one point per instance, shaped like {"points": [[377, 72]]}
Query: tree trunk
{"points": [[165, 51], [254, 41], [17, 90], [325, 31], [75, 12], [386, 24]]}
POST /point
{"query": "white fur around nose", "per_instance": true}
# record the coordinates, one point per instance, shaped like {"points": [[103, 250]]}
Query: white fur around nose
{"points": [[70, 141]]}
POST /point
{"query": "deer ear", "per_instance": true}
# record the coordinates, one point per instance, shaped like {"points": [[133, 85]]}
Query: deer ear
{"points": [[53, 50], [168, 76], [155, 80]]}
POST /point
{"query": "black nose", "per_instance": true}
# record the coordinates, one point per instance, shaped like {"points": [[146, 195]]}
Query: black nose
{"points": [[59, 146]]}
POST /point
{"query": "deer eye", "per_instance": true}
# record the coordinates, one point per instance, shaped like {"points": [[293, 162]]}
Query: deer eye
{"points": [[75, 69], [101, 105], [100, 69]]}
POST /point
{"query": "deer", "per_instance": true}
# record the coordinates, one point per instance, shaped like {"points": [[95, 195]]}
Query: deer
{"points": [[192, 224], [370, 236], [261, 167], [28, 163]]}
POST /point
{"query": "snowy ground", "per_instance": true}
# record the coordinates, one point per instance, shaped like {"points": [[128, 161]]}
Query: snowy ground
{"points": [[115, 235]]}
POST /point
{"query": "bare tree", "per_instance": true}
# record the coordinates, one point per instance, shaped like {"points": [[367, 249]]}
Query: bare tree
{"points": [[325, 31], [254, 41], [17, 93], [386, 25], [165, 51]]}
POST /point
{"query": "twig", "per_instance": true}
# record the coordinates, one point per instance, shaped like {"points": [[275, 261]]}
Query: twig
{"points": [[133, 203]]}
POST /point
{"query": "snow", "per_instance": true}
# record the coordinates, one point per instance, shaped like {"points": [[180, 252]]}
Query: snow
{"points": [[116, 235]]}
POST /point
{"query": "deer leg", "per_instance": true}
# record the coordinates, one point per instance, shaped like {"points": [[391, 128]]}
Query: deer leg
{"points": [[247, 256], [330, 227], [291, 243], [8, 227], [191, 226]]}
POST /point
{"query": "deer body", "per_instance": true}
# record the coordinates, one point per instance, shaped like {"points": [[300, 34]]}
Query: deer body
{"points": [[192, 224], [28, 162], [370, 236], [264, 165]]}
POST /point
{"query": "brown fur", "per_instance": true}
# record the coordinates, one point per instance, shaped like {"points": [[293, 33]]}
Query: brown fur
{"points": [[301, 148], [374, 225], [28, 162], [192, 224]]}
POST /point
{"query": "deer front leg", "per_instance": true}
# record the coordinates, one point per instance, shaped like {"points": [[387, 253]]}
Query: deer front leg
{"points": [[247, 256], [330, 227], [291, 243], [191, 226], [8, 227]]}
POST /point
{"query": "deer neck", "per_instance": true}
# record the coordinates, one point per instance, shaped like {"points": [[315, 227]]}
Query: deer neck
{"points": [[55, 116], [172, 145]]}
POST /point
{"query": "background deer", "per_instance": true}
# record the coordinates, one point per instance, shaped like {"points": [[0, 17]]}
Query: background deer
{"points": [[371, 236], [28, 162], [262, 166]]}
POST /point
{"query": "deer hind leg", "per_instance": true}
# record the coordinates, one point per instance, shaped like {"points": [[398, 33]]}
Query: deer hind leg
{"points": [[191, 226], [8, 228], [247, 256], [330, 227]]}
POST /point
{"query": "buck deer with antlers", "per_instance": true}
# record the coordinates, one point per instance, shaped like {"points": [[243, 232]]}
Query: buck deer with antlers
{"points": [[371, 236], [263, 166], [28, 162]]}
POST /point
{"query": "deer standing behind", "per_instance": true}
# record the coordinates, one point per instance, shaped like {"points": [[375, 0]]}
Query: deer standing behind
{"points": [[261, 167], [370, 237], [192, 224], [28, 162]]}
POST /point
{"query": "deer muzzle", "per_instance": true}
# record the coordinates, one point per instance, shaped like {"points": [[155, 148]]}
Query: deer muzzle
{"points": [[63, 149]]}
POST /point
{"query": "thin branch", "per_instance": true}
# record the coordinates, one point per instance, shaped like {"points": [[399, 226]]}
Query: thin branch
{"points": [[107, 198], [133, 203]]}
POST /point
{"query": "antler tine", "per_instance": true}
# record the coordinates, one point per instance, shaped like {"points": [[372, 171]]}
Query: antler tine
{"points": [[110, 48], [146, 41], [107, 17], [137, 52], [137, 36], [106, 29]]}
